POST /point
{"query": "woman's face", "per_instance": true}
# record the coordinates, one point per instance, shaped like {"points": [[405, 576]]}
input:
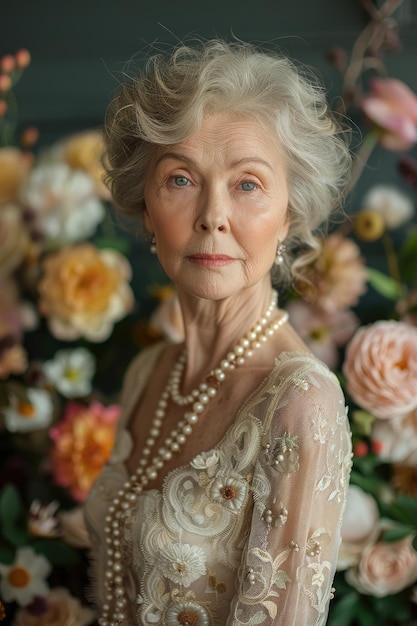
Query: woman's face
{"points": [[217, 204]]}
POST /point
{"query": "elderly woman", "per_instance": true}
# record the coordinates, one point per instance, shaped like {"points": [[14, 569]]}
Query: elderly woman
{"points": [[222, 501]]}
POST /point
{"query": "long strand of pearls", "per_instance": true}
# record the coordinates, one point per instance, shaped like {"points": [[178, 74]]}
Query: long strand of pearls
{"points": [[148, 467]]}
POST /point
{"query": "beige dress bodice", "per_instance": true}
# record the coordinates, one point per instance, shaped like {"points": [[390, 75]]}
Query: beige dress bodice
{"points": [[248, 532]]}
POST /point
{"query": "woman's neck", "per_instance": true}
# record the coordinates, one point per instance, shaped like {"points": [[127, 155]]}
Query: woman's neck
{"points": [[213, 328]]}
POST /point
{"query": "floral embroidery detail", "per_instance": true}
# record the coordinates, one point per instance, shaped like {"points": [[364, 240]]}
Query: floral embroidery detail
{"points": [[283, 455], [206, 461], [275, 521], [182, 563], [230, 490], [315, 580], [318, 540], [183, 613]]}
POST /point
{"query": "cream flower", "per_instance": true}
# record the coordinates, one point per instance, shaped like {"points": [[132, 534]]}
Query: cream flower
{"points": [[394, 206], [381, 368], [206, 460], [323, 332], [25, 578], [42, 520], [71, 372], [338, 275], [359, 527], [34, 413], [182, 563], [61, 609], [397, 438], [230, 490], [183, 613], [167, 319], [64, 201], [84, 291], [14, 239], [385, 568]]}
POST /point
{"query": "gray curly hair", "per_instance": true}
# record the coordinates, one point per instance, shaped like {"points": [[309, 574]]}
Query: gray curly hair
{"points": [[168, 98]]}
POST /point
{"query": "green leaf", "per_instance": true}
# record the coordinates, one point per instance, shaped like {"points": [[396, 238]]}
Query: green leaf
{"points": [[343, 612], [119, 244], [6, 555], [11, 509], [366, 617], [397, 533], [10, 503], [56, 551], [383, 284]]}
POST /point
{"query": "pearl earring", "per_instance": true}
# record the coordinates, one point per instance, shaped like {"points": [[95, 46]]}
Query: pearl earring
{"points": [[279, 258], [153, 244]]}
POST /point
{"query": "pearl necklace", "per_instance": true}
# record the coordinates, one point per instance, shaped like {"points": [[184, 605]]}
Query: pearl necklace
{"points": [[147, 469]]}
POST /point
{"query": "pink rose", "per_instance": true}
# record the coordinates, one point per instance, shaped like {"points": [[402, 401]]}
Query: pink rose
{"points": [[392, 107], [381, 368], [385, 568]]}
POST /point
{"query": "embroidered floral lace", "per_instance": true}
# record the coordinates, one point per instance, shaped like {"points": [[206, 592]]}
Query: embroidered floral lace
{"points": [[247, 533]]}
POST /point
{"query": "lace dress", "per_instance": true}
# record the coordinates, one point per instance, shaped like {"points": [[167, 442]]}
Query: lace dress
{"points": [[248, 532]]}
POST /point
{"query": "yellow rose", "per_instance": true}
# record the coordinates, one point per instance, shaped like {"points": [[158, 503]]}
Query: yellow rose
{"points": [[84, 151], [14, 168], [14, 239], [84, 291]]}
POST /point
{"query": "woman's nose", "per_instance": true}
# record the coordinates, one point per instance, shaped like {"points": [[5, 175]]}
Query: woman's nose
{"points": [[212, 213]]}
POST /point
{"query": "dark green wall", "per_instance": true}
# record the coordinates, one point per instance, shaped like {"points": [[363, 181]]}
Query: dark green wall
{"points": [[80, 47]]}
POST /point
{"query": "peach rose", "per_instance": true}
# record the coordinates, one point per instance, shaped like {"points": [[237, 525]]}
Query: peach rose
{"points": [[392, 107], [381, 368], [359, 527], [58, 608], [83, 441], [14, 239], [338, 276], [14, 168], [85, 151], [385, 568], [84, 291]]}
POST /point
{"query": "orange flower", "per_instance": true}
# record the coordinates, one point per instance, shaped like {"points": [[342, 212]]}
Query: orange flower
{"points": [[392, 107], [84, 292], [14, 239], [83, 441]]}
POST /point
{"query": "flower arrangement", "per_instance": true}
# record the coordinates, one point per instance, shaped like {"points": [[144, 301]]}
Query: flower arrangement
{"points": [[64, 287], [66, 293]]}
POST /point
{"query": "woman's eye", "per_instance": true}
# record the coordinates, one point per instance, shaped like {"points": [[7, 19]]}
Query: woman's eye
{"points": [[180, 181], [248, 186]]}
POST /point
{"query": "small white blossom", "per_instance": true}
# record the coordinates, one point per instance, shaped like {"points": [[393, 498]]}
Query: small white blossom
{"points": [[183, 612], [25, 578], [182, 563], [395, 207], [230, 490], [71, 372], [34, 413]]}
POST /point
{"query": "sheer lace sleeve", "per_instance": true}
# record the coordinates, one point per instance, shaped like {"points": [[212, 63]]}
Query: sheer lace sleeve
{"points": [[299, 488]]}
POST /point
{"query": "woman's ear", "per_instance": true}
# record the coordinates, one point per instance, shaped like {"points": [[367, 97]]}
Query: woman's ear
{"points": [[285, 227], [147, 220]]}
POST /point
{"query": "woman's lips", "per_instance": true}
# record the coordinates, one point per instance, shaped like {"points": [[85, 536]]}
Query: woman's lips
{"points": [[211, 260]]}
